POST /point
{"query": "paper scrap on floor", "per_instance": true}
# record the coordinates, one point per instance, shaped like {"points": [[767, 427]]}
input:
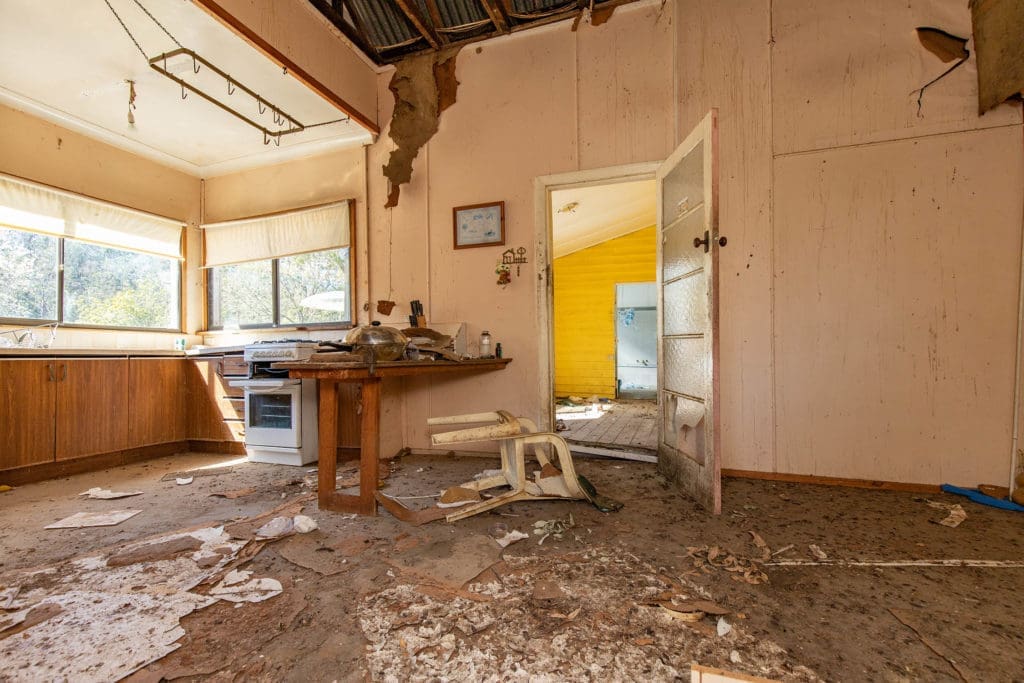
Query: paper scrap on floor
{"points": [[87, 519], [105, 494]]}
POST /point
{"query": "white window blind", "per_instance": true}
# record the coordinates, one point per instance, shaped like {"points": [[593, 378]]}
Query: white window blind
{"points": [[30, 206], [284, 234]]}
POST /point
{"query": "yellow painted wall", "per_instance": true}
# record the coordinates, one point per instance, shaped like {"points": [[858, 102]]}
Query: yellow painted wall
{"points": [[585, 310]]}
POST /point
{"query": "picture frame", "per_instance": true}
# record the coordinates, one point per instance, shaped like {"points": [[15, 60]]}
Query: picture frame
{"points": [[479, 225]]}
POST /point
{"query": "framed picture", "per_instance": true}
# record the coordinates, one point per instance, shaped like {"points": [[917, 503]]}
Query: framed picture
{"points": [[479, 225]]}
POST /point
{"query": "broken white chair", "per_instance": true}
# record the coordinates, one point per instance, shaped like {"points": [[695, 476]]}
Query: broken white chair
{"points": [[513, 435]]}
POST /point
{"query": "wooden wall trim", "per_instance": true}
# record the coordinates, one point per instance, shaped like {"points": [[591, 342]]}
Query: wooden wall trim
{"points": [[20, 476], [218, 447], [257, 41], [832, 481]]}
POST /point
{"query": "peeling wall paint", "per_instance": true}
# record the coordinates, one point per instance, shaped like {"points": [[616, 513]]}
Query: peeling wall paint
{"points": [[423, 87], [998, 27]]}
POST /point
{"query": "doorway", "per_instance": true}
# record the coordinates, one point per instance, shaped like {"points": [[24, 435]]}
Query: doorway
{"points": [[687, 424], [604, 317]]}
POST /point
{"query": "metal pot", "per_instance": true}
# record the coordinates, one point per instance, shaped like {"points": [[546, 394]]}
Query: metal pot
{"points": [[377, 341]]}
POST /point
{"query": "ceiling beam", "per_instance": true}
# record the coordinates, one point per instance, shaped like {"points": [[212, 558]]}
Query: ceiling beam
{"points": [[497, 14], [435, 18], [214, 8], [420, 22], [334, 11]]}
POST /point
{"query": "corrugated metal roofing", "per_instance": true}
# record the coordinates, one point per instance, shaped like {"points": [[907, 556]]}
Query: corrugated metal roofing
{"points": [[460, 12], [384, 25]]}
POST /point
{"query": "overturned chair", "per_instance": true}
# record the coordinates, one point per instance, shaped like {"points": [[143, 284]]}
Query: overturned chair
{"points": [[514, 434]]}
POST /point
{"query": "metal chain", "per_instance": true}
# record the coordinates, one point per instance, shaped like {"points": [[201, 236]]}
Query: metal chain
{"points": [[158, 23], [119, 20], [327, 123]]}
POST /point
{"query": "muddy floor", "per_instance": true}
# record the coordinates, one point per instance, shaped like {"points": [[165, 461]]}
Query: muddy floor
{"points": [[609, 598]]}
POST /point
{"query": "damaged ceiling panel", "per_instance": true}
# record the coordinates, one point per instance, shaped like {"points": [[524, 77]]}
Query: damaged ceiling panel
{"points": [[391, 30], [998, 27]]}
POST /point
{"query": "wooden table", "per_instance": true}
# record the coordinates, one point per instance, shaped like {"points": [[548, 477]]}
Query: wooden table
{"points": [[329, 376]]}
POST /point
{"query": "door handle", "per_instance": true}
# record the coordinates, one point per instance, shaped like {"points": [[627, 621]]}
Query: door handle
{"points": [[706, 242], [63, 371], [51, 370], [697, 242]]}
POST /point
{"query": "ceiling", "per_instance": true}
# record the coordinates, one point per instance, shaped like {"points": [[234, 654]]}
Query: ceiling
{"points": [[583, 217], [73, 70], [389, 30]]}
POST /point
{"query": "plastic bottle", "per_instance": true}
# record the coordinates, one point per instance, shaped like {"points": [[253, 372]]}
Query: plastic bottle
{"points": [[497, 350], [485, 344]]}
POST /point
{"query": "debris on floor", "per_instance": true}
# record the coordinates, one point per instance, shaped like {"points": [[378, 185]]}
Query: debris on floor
{"points": [[184, 481], [283, 526], [979, 497], [247, 528], [505, 537], [450, 562], [740, 568], [201, 472], [236, 493], [953, 519], [518, 635], [456, 496], [554, 528], [97, 620], [104, 494], [4, 488], [236, 586], [816, 552], [324, 555], [87, 519]]}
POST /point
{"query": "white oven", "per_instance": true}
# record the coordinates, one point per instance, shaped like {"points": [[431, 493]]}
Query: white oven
{"points": [[273, 412], [280, 412]]}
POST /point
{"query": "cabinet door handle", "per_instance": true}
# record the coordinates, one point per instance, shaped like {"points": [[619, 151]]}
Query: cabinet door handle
{"points": [[63, 371], [51, 371]]}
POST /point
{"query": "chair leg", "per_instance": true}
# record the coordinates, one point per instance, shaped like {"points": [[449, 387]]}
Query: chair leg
{"points": [[484, 506]]}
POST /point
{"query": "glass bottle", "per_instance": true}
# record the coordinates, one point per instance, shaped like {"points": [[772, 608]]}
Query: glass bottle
{"points": [[485, 344]]}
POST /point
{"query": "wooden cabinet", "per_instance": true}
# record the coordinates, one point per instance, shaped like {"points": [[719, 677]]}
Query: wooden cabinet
{"points": [[92, 407], [157, 401], [28, 395], [216, 410], [60, 409]]}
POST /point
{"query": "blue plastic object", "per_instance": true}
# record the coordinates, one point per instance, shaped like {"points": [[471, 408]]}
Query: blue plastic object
{"points": [[979, 497]]}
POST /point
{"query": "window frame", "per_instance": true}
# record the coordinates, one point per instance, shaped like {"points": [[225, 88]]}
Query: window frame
{"points": [[28, 322], [276, 299]]}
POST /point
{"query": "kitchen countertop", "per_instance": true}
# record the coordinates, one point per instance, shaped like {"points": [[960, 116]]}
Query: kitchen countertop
{"points": [[116, 353]]}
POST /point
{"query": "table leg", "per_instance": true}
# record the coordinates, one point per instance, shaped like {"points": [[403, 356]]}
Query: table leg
{"points": [[327, 466], [328, 497], [369, 445]]}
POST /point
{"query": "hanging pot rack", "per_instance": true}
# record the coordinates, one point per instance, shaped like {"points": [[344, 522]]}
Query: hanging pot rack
{"points": [[159, 64]]}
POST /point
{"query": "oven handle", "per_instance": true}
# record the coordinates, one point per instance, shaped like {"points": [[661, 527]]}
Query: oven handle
{"points": [[271, 390]]}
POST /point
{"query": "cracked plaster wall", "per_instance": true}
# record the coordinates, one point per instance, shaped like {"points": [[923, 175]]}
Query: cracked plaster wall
{"points": [[867, 330]]}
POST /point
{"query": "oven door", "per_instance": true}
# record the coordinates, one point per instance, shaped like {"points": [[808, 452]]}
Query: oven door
{"points": [[273, 412]]}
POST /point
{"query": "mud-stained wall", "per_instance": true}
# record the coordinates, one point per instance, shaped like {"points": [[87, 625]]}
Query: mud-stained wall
{"points": [[517, 116], [831, 178], [897, 250]]}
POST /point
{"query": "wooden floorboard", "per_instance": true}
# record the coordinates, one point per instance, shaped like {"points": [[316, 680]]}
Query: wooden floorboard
{"points": [[621, 424]]}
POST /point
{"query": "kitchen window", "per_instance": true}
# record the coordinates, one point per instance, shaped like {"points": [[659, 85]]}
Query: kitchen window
{"points": [[282, 270], [76, 261], [305, 289]]}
